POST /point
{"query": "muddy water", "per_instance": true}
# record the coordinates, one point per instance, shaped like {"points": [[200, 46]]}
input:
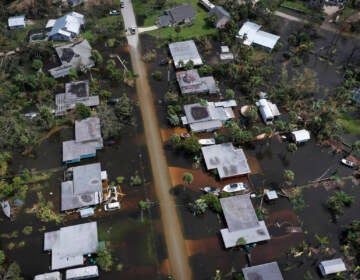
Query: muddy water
{"points": [[173, 234]]}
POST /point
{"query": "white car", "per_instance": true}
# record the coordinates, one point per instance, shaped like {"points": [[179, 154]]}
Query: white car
{"points": [[112, 206], [30, 116], [114, 13], [132, 30]]}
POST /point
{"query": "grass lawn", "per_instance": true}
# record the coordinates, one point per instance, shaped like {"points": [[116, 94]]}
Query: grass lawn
{"points": [[350, 125], [296, 6]]}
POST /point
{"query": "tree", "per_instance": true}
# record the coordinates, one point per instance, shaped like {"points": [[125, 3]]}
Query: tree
{"points": [[199, 207], [191, 145], [241, 241], [292, 147], [157, 75], [46, 117], [175, 140], [110, 125], [105, 94], [144, 205], [229, 93], [82, 111], [13, 272], [188, 178], [252, 114], [104, 259], [37, 64], [337, 201], [95, 54], [289, 175], [171, 97], [73, 75], [124, 110]]}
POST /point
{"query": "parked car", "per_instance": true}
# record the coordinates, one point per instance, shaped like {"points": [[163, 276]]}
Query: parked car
{"points": [[211, 189], [30, 115], [114, 13], [113, 101], [132, 30], [112, 206], [163, 62], [348, 163]]}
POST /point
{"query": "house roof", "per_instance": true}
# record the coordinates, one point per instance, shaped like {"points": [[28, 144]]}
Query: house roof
{"points": [[16, 21], [49, 276], [239, 212], [177, 15], [332, 266], [267, 109], [268, 271], [185, 51], [228, 161], [256, 36], [87, 130], [190, 82], [85, 189], [301, 135], [68, 24], [79, 273], [74, 151], [222, 16], [73, 56], [242, 221], [69, 244]]}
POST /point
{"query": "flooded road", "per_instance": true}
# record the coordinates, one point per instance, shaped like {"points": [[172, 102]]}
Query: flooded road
{"points": [[178, 256]]}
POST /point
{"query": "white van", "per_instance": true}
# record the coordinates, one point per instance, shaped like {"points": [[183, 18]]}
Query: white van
{"points": [[112, 206]]}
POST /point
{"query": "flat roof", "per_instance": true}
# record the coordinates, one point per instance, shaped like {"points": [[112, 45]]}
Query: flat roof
{"points": [[332, 266], [301, 135], [69, 244], [185, 51], [49, 276], [87, 129], [85, 272], [190, 82], [268, 271], [239, 212], [226, 159]]}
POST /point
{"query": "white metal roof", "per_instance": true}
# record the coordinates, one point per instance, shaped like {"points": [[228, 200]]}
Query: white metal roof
{"points": [[332, 266], [50, 23], [255, 35], [49, 276], [302, 135], [82, 272], [185, 51], [16, 21]]}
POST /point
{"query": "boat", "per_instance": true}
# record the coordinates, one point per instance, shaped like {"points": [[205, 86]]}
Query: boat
{"points": [[235, 187], [207, 141], [348, 163], [5, 205], [211, 189]]}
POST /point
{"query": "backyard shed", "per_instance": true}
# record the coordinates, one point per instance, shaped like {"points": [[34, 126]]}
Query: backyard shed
{"points": [[331, 266], [16, 22], [300, 136], [268, 110]]}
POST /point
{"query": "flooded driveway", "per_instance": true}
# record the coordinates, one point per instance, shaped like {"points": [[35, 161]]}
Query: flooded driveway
{"points": [[177, 253]]}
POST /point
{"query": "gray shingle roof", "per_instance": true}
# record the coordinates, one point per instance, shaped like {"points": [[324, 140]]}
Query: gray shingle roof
{"points": [[266, 271]]}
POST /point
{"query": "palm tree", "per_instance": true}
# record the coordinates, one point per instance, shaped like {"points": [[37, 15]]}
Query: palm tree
{"points": [[144, 205], [289, 176], [188, 178]]}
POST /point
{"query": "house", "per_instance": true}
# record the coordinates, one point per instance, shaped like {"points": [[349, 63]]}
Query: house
{"points": [[242, 222], [49, 276], [86, 272], [251, 34], [85, 188], [332, 266], [207, 117], [16, 22], [66, 27], [207, 4], [68, 245], [222, 17], [229, 161], [190, 83], [183, 52], [75, 92], [76, 56], [87, 141], [268, 110], [178, 15], [268, 271], [300, 136], [225, 53]]}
